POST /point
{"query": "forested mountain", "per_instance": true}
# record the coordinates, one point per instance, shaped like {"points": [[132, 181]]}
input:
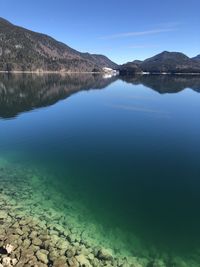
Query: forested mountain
{"points": [[165, 62], [25, 50]]}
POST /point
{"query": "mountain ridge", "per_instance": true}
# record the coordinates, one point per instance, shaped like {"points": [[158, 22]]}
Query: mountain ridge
{"points": [[164, 62], [25, 50]]}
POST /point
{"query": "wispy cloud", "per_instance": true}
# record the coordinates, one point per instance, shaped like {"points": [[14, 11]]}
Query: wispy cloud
{"points": [[139, 33]]}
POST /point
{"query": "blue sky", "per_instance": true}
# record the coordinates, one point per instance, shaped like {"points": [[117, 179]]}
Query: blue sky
{"points": [[123, 30]]}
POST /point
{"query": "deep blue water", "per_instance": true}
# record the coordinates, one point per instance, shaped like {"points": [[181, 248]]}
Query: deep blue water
{"points": [[130, 147]]}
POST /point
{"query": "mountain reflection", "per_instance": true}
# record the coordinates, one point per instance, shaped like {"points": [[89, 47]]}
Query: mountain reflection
{"points": [[165, 83], [24, 92]]}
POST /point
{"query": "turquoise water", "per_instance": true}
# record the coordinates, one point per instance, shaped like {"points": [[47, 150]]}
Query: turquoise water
{"points": [[128, 149]]}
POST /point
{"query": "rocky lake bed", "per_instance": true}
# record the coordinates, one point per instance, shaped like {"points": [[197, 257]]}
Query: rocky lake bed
{"points": [[33, 232]]}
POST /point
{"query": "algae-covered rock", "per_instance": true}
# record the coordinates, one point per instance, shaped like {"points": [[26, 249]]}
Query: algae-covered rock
{"points": [[105, 254], [73, 262], [60, 263], [53, 254], [26, 243], [83, 261], [62, 244], [42, 256], [36, 241], [19, 231], [42, 232], [71, 252]]}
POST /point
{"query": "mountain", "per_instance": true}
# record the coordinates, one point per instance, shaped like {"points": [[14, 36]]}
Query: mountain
{"points": [[170, 62], [25, 50], [130, 68], [43, 90], [165, 62]]}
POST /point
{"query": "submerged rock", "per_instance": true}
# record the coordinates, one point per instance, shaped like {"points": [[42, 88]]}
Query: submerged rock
{"points": [[83, 261], [3, 215], [36, 242], [9, 248], [105, 254], [42, 256], [6, 262], [60, 263], [35, 231]]}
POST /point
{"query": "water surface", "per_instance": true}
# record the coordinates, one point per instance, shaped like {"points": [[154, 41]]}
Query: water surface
{"points": [[127, 148]]}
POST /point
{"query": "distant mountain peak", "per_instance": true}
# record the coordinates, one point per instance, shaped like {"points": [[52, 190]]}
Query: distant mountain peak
{"points": [[165, 52], [169, 55], [164, 62]]}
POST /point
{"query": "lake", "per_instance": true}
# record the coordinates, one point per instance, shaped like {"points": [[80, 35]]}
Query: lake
{"points": [[117, 156]]}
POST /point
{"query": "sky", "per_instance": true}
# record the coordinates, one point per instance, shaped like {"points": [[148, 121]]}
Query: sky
{"points": [[123, 30]]}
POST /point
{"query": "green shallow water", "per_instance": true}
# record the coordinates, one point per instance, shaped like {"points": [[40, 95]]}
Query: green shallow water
{"points": [[124, 152]]}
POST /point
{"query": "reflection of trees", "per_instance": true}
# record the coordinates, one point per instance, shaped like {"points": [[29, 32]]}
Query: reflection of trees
{"points": [[166, 83], [23, 92]]}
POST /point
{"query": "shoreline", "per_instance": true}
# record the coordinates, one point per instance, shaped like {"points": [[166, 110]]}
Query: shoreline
{"points": [[50, 72], [102, 73], [162, 73]]}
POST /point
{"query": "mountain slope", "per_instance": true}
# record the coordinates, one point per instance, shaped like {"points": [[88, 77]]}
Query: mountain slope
{"points": [[25, 50], [130, 68], [170, 62], [197, 58], [165, 62]]}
